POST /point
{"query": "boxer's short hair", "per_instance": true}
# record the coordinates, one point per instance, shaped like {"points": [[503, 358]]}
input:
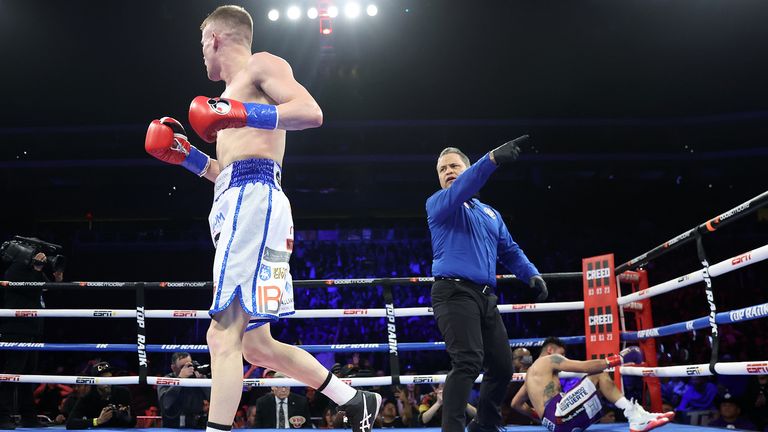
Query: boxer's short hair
{"points": [[233, 17]]}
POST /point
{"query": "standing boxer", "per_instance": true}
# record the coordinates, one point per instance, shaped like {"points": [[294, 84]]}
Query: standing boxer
{"points": [[251, 222]]}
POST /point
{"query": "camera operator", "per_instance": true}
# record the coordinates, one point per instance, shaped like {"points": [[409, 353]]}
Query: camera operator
{"points": [[103, 406], [182, 407], [21, 269]]}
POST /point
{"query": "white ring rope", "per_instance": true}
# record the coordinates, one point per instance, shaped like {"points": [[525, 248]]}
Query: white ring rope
{"points": [[248, 382], [322, 313], [730, 368], [723, 267]]}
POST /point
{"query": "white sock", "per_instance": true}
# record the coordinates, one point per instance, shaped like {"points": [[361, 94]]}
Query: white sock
{"points": [[623, 403], [338, 391]]}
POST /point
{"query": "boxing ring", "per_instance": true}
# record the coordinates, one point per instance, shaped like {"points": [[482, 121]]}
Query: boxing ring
{"points": [[637, 302]]}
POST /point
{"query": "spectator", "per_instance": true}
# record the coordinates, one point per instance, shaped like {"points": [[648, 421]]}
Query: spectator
{"points": [[103, 405], [48, 398], [331, 419], [318, 402], [756, 400], [404, 409], [730, 415], [21, 330], [521, 361], [388, 417], [430, 410], [699, 395], [282, 409], [250, 419], [182, 407], [67, 404], [151, 418]]}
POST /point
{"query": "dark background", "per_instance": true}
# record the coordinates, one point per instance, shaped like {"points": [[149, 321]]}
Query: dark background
{"points": [[647, 118]]}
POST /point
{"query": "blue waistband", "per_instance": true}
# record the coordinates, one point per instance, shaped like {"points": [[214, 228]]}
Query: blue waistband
{"points": [[247, 171]]}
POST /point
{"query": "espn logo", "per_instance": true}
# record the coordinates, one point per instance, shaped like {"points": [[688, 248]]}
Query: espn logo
{"points": [[184, 314], [168, 381], [741, 258], [99, 313], [757, 368], [423, 379], [26, 313], [10, 378], [598, 274], [649, 372], [85, 380], [355, 312], [692, 370]]}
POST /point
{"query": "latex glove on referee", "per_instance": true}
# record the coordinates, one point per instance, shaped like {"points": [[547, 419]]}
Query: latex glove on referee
{"points": [[509, 151], [539, 286], [166, 140], [210, 115]]}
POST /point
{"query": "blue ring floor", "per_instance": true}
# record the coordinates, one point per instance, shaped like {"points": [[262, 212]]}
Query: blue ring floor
{"points": [[610, 427]]}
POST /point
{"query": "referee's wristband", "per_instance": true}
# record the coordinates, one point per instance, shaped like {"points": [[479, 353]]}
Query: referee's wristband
{"points": [[95, 421]]}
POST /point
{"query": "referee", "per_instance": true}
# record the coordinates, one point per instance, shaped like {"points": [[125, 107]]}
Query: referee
{"points": [[468, 237]]}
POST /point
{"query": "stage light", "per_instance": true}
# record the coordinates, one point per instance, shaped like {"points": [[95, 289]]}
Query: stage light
{"points": [[273, 15], [372, 10], [312, 13], [352, 10], [293, 13], [326, 26], [333, 11]]}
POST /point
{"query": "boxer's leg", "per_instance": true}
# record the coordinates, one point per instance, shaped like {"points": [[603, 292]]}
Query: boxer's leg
{"points": [[225, 336]]}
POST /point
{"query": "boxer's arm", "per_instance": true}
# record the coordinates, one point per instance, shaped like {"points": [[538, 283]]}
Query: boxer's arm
{"points": [[443, 202], [296, 108], [213, 171], [590, 367], [520, 404]]}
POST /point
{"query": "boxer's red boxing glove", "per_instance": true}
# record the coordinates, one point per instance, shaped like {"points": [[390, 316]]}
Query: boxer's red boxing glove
{"points": [[210, 115], [629, 355], [166, 140]]}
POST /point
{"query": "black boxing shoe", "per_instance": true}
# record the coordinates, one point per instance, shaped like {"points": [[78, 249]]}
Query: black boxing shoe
{"points": [[361, 410]]}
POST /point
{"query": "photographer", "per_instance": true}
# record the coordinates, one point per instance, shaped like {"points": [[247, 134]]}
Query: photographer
{"points": [[103, 406], [182, 407], [28, 261]]}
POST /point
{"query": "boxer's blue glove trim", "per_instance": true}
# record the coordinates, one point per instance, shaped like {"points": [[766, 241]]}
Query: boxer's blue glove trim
{"points": [[261, 116], [196, 161]]}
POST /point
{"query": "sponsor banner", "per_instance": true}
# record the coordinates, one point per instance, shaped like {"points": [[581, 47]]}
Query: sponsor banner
{"points": [[168, 381], [600, 307], [185, 314], [355, 312], [757, 368]]}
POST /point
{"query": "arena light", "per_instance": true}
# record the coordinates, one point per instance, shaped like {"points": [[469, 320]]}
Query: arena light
{"points": [[333, 11], [352, 10], [372, 10], [312, 13], [273, 15], [293, 13]]}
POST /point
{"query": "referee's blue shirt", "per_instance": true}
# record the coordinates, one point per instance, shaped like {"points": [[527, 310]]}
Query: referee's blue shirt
{"points": [[468, 237]]}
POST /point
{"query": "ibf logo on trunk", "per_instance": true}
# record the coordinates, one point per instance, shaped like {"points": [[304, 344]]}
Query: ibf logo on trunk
{"points": [[598, 274]]}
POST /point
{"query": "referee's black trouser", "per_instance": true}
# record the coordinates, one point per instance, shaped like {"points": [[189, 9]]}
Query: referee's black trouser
{"points": [[476, 339]]}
